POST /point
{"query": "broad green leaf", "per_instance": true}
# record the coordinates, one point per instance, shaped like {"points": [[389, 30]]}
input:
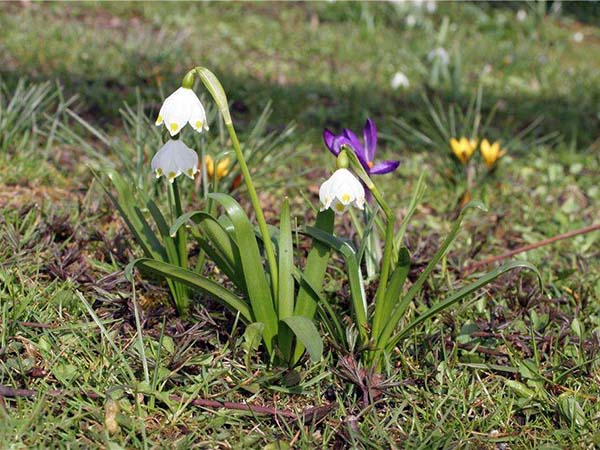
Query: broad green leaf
{"points": [[522, 390], [307, 333], [285, 298], [459, 295], [571, 409], [193, 280], [252, 339], [313, 275], [327, 314], [259, 290]]}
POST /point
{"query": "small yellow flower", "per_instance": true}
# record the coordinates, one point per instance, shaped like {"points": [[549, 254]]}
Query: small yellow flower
{"points": [[491, 152], [464, 148], [222, 167]]}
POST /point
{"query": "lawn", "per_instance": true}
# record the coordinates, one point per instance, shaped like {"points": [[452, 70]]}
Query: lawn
{"points": [[95, 355]]}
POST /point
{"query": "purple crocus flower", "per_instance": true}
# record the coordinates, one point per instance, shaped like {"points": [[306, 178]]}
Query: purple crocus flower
{"points": [[366, 153]]}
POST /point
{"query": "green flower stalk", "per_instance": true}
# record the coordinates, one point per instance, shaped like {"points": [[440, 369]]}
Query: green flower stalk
{"points": [[215, 89]]}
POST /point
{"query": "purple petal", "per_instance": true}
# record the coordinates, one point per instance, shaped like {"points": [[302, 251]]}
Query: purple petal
{"points": [[358, 147], [328, 137], [356, 144], [338, 141], [384, 167], [370, 135]]}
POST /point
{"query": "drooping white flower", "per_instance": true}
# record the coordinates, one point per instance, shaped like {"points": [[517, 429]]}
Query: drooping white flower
{"points": [[521, 15], [399, 81], [173, 159], [340, 191], [440, 54], [181, 107]]}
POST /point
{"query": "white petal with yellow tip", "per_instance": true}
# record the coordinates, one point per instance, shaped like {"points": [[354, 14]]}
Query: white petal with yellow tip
{"points": [[173, 159], [340, 191], [181, 107]]}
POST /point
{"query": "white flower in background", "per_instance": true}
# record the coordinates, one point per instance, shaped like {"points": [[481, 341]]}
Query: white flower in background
{"points": [[521, 15], [340, 191], [578, 37], [181, 107], [440, 54], [411, 21], [173, 159], [399, 81], [429, 5]]}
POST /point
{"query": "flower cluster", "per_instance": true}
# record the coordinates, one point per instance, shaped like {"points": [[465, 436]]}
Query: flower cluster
{"points": [[175, 158], [464, 148]]}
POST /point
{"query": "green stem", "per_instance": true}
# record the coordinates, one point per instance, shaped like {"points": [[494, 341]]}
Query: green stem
{"points": [[389, 244], [260, 217], [181, 241], [181, 233], [214, 87], [385, 263]]}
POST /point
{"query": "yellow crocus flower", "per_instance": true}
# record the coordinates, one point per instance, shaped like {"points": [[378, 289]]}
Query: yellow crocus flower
{"points": [[491, 152], [463, 148], [222, 167]]}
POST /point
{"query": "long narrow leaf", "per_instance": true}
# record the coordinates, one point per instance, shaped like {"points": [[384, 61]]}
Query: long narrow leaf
{"points": [[259, 291], [285, 298], [460, 294], [193, 280], [397, 314], [412, 207], [217, 243], [314, 274], [307, 333], [393, 291], [357, 291]]}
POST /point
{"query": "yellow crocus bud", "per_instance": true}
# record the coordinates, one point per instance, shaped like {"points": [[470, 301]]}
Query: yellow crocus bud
{"points": [[463, 148], [222, 167], [491, 152]]}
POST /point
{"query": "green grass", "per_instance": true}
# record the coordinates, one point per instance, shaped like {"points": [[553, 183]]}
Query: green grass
{"points": [[509, 368]]}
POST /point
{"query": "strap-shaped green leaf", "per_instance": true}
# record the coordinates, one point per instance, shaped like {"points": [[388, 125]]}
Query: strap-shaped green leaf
{"points": [[412, 207], [393, 291], [357, 291], [193, 280], [217, 243], [285, 297], [327, 314], [313, 275], [259, 291], [307, 333]]}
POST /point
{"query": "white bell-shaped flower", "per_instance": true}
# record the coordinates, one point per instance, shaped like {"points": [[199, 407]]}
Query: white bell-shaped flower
{"points": [[340, 191], [173, 159], [181, 107]]}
